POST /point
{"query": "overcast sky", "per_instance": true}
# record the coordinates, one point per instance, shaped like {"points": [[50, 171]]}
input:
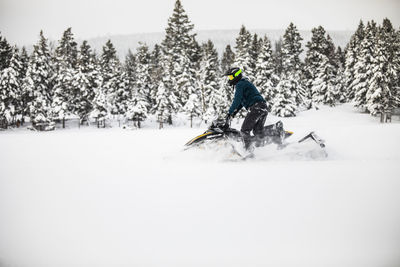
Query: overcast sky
{"points": [[22, 20]]}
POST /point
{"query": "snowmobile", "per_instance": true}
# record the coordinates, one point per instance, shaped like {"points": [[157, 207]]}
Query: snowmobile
{"points": [[220, 133]]}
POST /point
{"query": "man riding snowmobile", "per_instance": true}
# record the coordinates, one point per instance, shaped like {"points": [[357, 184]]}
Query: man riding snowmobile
{"points": [[247, 96]]}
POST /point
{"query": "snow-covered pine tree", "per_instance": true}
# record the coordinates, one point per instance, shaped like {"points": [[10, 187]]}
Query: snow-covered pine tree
{"points": [[143, 83], [10, 91], [24, 95], [65, 69], [291, 50], [218, 104], [209, 73], [85, 83], [397, 64], [137, 108], [340, 78], [166, 102], [255, 50], [227, 61], [5, 53], [352, 54], [380, 95], [123, 95], [266, 79], [291, 64], [155, 74], [316, 53], [340, 57], [179, 47], [228, 58], [111, 73], [331, 52], [38, 83], [243, 58], [391, 51], [162, 111], [323, 87], [322, 68], [285, 98], [130, 66], [24, 62], [363, 67], [277, 55], [192, 107]]}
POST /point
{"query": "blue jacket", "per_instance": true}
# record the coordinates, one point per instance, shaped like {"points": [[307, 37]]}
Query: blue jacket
{"points": [[246, 95]]}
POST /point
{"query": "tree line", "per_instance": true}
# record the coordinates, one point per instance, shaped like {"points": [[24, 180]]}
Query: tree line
{"points": [[179, 75]]}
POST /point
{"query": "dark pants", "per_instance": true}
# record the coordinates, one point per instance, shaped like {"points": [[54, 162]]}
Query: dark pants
{"points": [[254, 121]]}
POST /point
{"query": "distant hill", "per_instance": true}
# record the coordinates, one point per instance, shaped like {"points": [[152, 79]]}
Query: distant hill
{"points": [[220, 38]]}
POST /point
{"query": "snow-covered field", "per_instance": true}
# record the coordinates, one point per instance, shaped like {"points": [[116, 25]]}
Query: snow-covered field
{"points": [[114, 197]]}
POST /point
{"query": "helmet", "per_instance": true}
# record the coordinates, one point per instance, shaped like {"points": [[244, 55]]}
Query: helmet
{"points": [[234, 75]]}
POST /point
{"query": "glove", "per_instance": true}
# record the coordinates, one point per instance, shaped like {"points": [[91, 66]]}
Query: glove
{"points": [[234, 113]]}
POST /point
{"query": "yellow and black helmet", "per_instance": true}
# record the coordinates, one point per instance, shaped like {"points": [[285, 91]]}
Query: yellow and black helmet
{"points": [[234, 75]]}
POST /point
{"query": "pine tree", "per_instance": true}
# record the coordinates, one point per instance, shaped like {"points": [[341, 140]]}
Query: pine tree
{"points": [[166, 102], [285, 98], [129, 69], [396, 61], [111, 73], [316, 55], [390, 49], [217, 105], [179, 47], [130, 66], [228, 58], [24, 62], [142, 96], [155, 74], [86, 81], [227, 61], [209, 73], [323, 87], [38, 83], [123, 95], [137, 109], [255, 51], [340, 76], [380, 94], [363, 67], [243, 58], [291, 50], [143, 82], [352, 54], [24, 95], [5, 53], [291, 64], [321, 68], [65, 69], [192, 107], [277, 55], [266, 80], [10, 91]]}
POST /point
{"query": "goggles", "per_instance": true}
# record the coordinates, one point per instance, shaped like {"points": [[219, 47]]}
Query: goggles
{"points": [[232, 76]]}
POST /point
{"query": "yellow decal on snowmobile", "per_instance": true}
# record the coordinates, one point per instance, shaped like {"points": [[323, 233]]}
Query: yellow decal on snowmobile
{"points": [[197, 137]]}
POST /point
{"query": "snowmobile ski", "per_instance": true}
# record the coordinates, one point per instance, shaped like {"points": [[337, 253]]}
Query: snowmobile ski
{"points": [[314, 137]]}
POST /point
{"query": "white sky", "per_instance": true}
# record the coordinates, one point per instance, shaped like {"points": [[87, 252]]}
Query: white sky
{"points": [[22, 20]]}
